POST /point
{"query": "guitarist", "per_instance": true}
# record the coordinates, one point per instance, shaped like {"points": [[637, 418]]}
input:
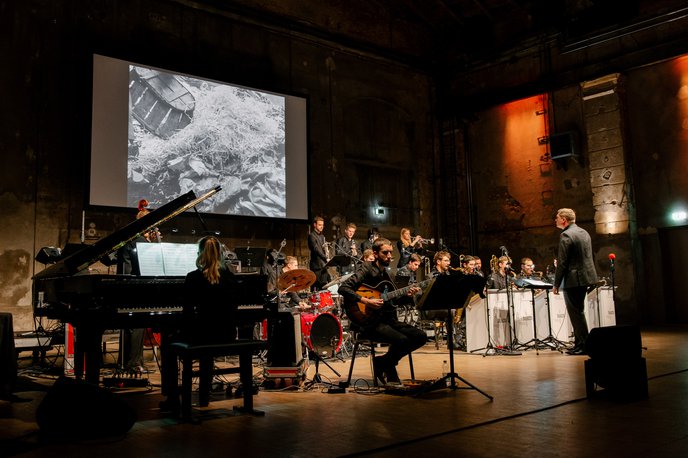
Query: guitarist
{"points": [[384, 326]]}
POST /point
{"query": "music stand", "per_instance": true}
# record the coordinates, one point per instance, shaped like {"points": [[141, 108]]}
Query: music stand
{"points": [[550, 341], [490, 349], [251, 258], [339, 260], [447, 292]]}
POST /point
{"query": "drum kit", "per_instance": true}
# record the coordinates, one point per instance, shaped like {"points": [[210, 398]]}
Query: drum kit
{"points": [[321, 325]]}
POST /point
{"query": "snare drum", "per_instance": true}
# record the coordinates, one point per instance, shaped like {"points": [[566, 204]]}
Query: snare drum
{"points": [[322, 333], [322, 301]]}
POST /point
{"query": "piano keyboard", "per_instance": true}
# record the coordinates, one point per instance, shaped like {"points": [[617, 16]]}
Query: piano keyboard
{"points": [[176, 309]]}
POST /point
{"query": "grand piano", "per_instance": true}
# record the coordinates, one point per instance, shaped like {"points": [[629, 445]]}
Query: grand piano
{"points": [[92, 303]]}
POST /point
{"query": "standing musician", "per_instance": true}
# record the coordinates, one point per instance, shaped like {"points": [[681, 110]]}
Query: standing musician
{"points": [[575, 273], [373, 234], [346, 245], [408, 246], [131, 353], [319, 253], [370, 316]]}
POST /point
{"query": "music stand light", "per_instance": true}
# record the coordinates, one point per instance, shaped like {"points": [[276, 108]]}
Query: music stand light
{"points": [[48, 255]]}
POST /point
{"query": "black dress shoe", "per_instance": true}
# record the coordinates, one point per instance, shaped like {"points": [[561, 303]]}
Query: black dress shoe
{"points": [[391, 373], [575, 351], [379, 367]]}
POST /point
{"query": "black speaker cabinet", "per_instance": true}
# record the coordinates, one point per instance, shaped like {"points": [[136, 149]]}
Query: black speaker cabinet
{"points": [[285, 340], [8, 356], [615, 365], [79, 410]]}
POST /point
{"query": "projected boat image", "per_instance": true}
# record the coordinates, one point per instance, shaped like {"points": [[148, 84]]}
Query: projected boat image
{"points": [[160, 101]]}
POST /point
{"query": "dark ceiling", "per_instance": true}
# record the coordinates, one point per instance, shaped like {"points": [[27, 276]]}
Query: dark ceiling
{"points": [[428, 33]]}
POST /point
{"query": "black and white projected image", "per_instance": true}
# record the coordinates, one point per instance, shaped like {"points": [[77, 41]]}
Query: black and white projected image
{"points": [[192, 134]]}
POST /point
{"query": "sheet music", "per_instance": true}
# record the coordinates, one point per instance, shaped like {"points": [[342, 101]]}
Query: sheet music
{"points": [[533, 282], [171, 259]]}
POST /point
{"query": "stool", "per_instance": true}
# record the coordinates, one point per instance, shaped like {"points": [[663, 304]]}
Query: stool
{"points": [[360, 339], [187, 353]]}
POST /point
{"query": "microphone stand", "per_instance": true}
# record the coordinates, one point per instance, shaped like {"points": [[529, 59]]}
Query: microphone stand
{"points": [[612, 269], [352, 258], [511, 310]]}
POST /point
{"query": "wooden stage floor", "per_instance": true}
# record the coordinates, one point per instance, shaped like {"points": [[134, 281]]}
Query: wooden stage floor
{"points": [[539, 409]]}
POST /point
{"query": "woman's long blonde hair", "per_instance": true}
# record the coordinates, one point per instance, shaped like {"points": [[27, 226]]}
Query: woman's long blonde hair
{"points": [[405, 242], [210, 259]]}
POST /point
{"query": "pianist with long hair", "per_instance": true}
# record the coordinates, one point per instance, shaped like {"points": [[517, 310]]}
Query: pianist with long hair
{"points": [[209, 315]]}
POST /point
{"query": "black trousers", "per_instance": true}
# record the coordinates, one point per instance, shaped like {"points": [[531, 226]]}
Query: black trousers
{"points": [[575, 306], [401, 337]]}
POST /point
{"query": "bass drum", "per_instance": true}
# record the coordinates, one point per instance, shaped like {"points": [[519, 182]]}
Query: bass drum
{"points": [[322, 333]]}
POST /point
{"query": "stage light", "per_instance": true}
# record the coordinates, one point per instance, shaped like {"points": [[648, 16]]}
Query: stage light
{"points": [[679, 216]]}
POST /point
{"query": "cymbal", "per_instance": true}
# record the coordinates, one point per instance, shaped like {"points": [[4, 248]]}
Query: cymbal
{"points": [[296, 280], [338, 281]]}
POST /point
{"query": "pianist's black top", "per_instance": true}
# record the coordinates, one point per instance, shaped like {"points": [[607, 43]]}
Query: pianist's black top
{"points": [[209, 314]]}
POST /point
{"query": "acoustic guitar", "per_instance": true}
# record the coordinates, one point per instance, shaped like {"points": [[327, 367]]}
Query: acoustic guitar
{"points": [[385, 291]]}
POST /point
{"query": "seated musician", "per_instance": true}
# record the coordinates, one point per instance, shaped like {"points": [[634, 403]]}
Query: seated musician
{"points": [[528, 270], [368, 255], [209, 315], [369, 315], [497, 279], [410, 268], [467, 268], [291, 298]]}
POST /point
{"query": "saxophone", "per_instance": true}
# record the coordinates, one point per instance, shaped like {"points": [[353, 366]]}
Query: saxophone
{"points": [[326, 246]]}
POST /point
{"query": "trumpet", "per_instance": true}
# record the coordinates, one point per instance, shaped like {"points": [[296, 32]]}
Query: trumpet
{"points": [[427, 241]]}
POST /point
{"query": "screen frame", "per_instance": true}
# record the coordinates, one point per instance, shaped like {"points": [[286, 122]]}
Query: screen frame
{"points": [[299, 174]]}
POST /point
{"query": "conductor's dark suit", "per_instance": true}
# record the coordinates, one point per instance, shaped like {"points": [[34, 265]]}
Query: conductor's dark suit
{"points": [[575, 273]]}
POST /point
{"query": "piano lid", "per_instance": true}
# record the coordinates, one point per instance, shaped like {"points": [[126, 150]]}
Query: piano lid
{"points": [[110, 243]]}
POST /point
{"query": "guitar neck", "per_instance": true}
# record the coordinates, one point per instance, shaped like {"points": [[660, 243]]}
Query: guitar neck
{"points": [[389, 295]]}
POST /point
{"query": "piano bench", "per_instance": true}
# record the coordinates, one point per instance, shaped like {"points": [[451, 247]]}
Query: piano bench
{"points": [[187, 353]]}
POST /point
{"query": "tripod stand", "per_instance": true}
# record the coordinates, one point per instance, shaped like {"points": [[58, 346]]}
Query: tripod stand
{"points": [[511, 314], [443, 293], [318, 359], [536, 343], [490, 349]]}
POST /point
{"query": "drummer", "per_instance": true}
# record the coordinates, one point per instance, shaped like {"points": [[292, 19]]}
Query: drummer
{"points": [[293, 300]]}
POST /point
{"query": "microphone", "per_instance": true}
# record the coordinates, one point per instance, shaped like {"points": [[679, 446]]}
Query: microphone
{"points": [[612, 257]]}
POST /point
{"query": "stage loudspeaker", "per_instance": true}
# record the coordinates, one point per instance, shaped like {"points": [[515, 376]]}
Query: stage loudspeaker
{"points": [[616, 363], [80, 410], [8, 357], [283, 350]]}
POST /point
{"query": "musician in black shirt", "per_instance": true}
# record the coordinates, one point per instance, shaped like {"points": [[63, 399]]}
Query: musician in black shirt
{"points": [[370, 315], [319, 253], [209, 315], [346, 245]]}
